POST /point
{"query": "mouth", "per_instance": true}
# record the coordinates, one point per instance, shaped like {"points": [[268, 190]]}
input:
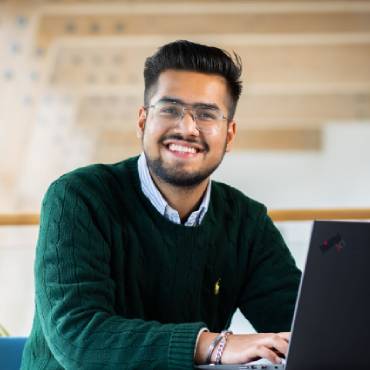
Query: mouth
{"points": [[183, 148]]}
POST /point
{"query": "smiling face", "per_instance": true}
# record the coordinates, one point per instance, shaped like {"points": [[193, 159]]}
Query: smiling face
{"points": [[180, 154]]}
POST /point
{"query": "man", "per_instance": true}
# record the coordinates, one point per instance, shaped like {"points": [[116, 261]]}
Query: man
{"points": [[141, 264]]}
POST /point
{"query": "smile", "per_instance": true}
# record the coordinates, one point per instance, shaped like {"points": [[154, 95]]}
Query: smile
{"points": [[182, 148]]}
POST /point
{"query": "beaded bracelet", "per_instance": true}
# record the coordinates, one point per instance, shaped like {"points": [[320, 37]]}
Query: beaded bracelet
{"points": [[220, 349], [212, 347], [215, 343]]}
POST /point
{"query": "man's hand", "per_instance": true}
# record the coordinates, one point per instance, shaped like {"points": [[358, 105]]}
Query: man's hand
{"points": [[246, 347]]}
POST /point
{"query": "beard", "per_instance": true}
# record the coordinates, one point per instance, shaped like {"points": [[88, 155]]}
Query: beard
{"points": [[176, 176]]}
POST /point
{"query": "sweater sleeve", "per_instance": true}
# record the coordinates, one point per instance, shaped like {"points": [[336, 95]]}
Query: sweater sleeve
{"points": [[272, 280], [75, 295]]}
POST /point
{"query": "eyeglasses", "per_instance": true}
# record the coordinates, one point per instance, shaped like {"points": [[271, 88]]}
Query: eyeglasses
{"points": [[207, 120]]}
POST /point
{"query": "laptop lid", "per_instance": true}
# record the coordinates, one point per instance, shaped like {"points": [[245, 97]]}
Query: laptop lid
{"points": [[331, 329]]}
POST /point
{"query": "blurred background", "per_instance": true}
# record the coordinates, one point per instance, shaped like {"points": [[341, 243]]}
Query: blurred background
{"points": [[71, 85]]}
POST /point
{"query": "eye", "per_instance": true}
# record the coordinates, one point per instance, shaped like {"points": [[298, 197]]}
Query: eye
{"points": [[207, 115], [169, 110]]}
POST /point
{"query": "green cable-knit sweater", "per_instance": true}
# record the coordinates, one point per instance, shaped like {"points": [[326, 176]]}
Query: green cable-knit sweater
{"points": [[118, 286]]}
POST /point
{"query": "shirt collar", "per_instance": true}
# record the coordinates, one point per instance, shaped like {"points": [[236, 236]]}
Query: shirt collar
{"points": [[151, 191]]}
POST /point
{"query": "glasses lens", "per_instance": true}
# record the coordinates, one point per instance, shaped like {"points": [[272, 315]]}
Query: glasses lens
{"points": [[208, 120], [168, 111], [207, 115]]}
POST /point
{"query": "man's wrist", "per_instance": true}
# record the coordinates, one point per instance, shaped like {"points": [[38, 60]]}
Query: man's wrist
{"points": [[199, 334], [204, 341]]}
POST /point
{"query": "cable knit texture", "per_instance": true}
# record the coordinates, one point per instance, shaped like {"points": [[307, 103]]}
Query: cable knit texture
{"points": [[118, 286]]}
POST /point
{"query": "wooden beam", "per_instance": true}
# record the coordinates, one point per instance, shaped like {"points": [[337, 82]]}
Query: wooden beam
{"points": [[320, 214], [285, 66], [301, 110], [255, 111], [19, 219], [53, 26], [248, 4], [218, 6], [305, 65], [285, 139]]}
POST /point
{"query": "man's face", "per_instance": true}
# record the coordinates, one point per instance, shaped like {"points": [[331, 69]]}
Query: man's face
{"points": [[180, 154]]}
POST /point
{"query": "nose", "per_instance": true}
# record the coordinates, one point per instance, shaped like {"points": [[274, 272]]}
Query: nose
{"points": [[187, 124]]}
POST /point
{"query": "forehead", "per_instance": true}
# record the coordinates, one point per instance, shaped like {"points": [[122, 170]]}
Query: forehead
{"points": [[192, 87]]}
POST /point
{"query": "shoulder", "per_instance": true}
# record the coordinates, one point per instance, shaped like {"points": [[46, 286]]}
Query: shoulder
{"points": [[96, 183], [96, 175], [239, 204], [89, 176]]}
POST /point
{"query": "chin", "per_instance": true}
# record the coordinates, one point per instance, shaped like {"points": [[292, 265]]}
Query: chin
{"points": [[177, 175]]}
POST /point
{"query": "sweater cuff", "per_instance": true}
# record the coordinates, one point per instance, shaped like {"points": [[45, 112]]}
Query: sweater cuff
{"points": [[198, 336], [182, 343]]}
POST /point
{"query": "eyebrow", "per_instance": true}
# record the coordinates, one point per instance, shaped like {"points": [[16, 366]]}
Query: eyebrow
{"points": [[170, 99]]}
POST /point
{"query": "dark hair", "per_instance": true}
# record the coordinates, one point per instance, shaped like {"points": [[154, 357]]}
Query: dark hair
{"points": [[189, 56]]}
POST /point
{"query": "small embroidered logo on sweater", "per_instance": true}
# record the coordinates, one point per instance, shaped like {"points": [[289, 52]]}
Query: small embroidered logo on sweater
{"points": [[217, 287]]}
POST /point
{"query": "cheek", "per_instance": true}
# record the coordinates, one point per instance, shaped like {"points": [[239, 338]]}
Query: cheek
{"points": [[151, 130], [151, 135], [217, 145]]}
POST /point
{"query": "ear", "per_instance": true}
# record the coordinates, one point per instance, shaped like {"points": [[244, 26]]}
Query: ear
{"points": [[141, 123], [231, 131]]}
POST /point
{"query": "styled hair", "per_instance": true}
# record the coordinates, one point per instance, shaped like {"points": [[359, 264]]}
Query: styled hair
{"points": [[188, 56]]}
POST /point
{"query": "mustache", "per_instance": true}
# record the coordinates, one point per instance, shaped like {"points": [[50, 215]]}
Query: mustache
{"points": [[190, 140]]}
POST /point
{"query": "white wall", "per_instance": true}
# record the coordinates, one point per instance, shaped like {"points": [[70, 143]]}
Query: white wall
{"points": [[339, 176]]}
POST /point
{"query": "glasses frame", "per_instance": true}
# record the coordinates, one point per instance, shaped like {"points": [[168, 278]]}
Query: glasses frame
{"points": [[191, 109]]}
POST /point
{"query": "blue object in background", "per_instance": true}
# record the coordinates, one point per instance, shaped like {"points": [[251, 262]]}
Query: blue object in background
{"points": [[11, 349]]}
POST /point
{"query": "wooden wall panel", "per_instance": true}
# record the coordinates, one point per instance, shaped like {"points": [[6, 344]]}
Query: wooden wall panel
{"points": [[255, 111], [301, 110], [285, 65], [114, 145], [145, 2], [306, 64], [53, 26]]}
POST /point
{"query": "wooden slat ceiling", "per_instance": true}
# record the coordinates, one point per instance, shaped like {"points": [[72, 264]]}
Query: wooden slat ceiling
{"points": [[257, 111], [71, 76], [304, 66], [53, 26], [306, 63], [108, 2], [278, 65]]}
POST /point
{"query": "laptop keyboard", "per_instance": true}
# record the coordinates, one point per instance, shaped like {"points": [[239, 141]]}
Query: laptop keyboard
{"points": [[242, 367], [259, 367]]}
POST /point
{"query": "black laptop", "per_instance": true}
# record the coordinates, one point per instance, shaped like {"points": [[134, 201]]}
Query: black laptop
{"points": [[331, 325]]}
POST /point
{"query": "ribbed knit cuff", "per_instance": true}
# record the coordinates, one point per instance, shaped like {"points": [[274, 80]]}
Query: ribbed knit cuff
{"points": [[182, 343]]}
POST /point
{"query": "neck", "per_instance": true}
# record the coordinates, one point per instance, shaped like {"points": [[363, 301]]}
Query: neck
{"points": [[183, 199]]}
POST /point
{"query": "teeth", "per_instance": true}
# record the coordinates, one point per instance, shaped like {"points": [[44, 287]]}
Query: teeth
{"points": [[180, 148]]}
